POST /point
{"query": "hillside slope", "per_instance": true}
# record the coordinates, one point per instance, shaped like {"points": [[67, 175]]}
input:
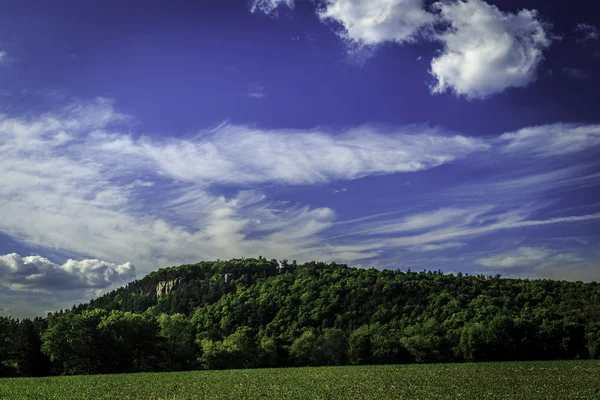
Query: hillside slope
{"points": [[258, 312]]}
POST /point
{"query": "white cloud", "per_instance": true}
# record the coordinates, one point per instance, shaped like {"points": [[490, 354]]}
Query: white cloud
{"points": [[39, 273], [440, 246], [521, 257], [486, 224], [372, 22], [576, 73], [487, 50], [241, 155], [541, 262], [269, 6], [551, 140], [587, 33], [256, 91], [419, 221], [256, 95], [439, 229]]}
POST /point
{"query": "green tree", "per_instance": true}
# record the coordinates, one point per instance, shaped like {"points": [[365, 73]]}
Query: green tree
{"points": [[304, 349], [131, 340], [75, 344], [178, 342], [29, 357], [237, 350]]}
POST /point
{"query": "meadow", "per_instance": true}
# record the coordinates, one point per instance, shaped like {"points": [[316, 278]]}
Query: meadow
{"points": [[510, 380]]}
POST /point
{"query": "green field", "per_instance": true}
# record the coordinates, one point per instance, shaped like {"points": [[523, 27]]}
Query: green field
{"points": [[522, 380]]}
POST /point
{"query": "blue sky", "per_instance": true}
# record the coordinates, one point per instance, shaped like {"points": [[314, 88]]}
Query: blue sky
{"points": [[454, 135]]}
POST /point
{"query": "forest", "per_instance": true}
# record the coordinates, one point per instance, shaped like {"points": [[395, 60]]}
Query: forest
{"points": [[252, 313]]}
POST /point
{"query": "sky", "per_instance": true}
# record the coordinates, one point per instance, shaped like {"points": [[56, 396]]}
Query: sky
{"points": [[453, 135]]}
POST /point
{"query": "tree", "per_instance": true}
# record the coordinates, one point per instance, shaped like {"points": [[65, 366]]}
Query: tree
{"points": [[7, 343], [29, 357], [237, 350], [332, 347], [178, 342], [74, 343], [304, 349], [131, 340]]}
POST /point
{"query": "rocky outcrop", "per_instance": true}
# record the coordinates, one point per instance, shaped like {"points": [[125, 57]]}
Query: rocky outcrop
{"points": [[163, 288]]}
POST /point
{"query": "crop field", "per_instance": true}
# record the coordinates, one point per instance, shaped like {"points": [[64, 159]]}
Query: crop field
{"points": [[518, 380]]}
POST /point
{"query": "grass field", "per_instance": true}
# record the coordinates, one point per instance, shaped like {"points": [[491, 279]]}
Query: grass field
{"points": [[525, 380]]}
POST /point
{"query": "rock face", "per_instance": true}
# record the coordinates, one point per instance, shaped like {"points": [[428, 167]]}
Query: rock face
{"points": [[163, 288]]}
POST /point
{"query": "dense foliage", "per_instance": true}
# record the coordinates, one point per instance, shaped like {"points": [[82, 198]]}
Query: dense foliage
{"points": [[260, 313], [547, 380]]}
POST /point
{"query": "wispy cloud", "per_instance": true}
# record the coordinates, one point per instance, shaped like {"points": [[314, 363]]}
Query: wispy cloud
{"points": [[440, 247], [256, 92], [576, 73], [525, 257], [551, 140], [269, 6], [586, 33], [536, 262], [294, 157]]}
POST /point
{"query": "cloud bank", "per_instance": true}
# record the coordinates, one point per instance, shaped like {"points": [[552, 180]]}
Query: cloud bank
{"points": [[39, 273]]}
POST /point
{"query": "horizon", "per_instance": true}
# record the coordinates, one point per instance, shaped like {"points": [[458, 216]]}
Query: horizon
{"points": [[460, 136]]}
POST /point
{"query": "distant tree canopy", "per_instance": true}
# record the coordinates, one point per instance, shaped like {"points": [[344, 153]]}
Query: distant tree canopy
{"points": [[247, 313]]}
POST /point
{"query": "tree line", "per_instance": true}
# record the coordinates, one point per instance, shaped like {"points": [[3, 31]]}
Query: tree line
{"points": [[247, 313]]}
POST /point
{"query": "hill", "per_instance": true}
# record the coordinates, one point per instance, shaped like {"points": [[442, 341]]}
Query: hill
{"points": [[263, 313]]}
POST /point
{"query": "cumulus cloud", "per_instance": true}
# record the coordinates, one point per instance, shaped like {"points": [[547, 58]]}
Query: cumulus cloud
{"points": [[39, 273], [551, 140], [586, 33], [372, 22], [486, 50]]}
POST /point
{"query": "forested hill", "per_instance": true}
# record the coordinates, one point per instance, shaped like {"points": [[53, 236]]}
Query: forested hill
{"points": [[256, 312]]}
